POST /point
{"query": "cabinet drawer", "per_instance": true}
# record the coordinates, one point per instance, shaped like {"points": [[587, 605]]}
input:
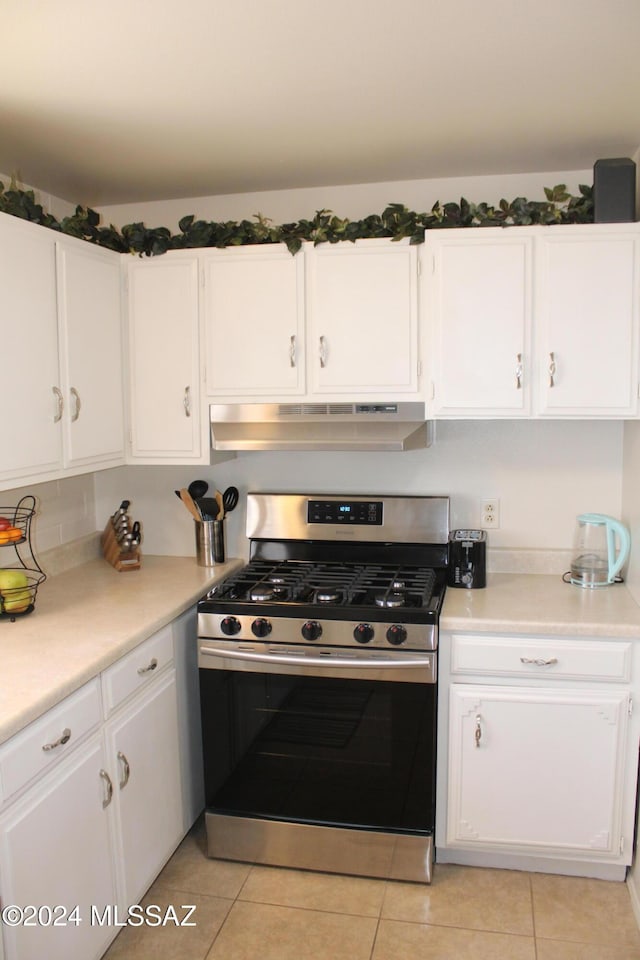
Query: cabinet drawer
{"points": [[45, 741], [533, 658], [137, 668]]}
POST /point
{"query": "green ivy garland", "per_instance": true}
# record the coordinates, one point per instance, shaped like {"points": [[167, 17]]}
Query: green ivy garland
{"points": [[396, 222]]}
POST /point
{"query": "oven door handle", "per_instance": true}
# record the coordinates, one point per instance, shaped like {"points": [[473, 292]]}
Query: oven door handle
{"points": [[306, 661]]}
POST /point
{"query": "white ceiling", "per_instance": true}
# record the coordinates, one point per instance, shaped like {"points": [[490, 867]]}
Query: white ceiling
{"points": [[109, 101]]}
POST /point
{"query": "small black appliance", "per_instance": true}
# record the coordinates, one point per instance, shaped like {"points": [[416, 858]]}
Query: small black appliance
{"points": [[468, 559]]}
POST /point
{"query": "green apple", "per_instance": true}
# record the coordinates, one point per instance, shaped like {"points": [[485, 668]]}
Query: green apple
{"points": [[12, 579], [15, 596]]}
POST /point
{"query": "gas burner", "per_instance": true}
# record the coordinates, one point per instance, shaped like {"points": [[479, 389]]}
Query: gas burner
{"points": [[395, 598], [327, 595], [262, 594]]}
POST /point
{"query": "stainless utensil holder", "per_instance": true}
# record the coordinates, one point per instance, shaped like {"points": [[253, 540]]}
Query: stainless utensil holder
{"points": [[209, 542]]}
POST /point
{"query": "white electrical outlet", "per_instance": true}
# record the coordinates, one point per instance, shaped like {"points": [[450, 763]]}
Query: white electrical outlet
{"points": [[490, 514]]}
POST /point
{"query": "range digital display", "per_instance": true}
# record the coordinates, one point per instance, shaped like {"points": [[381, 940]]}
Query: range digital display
{"points": [[348, 512]]}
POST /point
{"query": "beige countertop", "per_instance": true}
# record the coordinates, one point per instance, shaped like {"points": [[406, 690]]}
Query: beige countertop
{"points": [[86, 619], [539, 603]]}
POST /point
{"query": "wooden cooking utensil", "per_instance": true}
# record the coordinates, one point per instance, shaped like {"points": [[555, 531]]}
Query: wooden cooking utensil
{"points": [[187, 499]]}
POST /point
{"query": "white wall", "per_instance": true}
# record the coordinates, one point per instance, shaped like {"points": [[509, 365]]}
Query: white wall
{"points": [[544, 473], [353, 201]]}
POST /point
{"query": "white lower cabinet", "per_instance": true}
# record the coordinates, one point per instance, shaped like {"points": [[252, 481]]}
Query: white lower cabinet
{"points": [[142, 745], [92, 824], [536, 769], [56, 852], [538, 753]]}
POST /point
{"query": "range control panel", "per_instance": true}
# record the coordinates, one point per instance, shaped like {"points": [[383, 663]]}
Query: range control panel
{"points": [[367, 513]]}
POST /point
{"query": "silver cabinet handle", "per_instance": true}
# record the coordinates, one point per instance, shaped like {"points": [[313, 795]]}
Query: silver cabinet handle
{"points": [[323, 352], [126, 770], [187, 401], [538, 661], [150, 666], [57, 417], [76, 404], [478, 731], [292, 351], [109, 794], [63, 738], [552, 369], [519, 371]]}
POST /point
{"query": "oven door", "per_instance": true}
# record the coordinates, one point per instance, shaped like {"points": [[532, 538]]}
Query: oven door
{"points": [[318, 759]]}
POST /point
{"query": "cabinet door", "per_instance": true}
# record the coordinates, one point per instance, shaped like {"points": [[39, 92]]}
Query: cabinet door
{"points": [[587, 319], [142, 746], [254, 319], [362, 318], [31, 442], [55, 849], [532, 769], [164, 359], [480, 300], [189, 727], [91, 354]]}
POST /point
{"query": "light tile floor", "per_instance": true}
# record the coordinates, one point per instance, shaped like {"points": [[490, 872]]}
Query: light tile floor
{"points": [[246, 912]]}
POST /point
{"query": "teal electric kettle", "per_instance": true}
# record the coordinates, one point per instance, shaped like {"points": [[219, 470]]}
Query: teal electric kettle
{"points": [[597, 562]]}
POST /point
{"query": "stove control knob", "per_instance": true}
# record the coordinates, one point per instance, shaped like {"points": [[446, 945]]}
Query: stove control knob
{"points": [[396, 634], [230, 626], [363, 633], [261, 627], [311, 630]]}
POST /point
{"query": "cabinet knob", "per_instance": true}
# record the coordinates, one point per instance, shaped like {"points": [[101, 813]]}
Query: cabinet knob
{"points": [[552, 369], [62, 739], [109, 794], [478, 731], [150, 666], [539, 661], [126, 770], [187, 401], [57, 417], [292, 351], [75, 396], [519, 371], [323, 352]]}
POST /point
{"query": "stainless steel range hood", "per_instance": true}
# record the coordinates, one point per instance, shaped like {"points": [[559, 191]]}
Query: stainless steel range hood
{"points": [[319, 426]]}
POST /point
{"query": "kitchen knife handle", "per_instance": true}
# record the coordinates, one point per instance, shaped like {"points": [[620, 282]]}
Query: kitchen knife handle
{"points": [[187, 401], [519, 371], [77, 405], [59, 404], [292, 351], [323, 352], [126, 770], [109, 794], [552, 369]]}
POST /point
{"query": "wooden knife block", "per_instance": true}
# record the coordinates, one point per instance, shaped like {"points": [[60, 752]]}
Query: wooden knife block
{"points": [[111, 551]]}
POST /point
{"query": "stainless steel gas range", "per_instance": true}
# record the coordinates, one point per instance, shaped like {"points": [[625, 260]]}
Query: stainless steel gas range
{"points": [[318, 683]]}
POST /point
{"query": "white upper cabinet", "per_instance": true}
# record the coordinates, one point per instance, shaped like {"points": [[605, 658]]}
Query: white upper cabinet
{"points": [[587, 322], [30, 386], [254, 310], [336, 319], [362, 318], [480, 302], [533, 321], [62, 350], [90, 320], [164, 363]]}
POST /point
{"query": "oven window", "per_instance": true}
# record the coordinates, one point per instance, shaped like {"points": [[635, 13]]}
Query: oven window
{"points": [[341, 752]]}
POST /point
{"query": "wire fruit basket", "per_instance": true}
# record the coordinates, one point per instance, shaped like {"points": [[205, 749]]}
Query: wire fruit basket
{"points": [[19, 580]]}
